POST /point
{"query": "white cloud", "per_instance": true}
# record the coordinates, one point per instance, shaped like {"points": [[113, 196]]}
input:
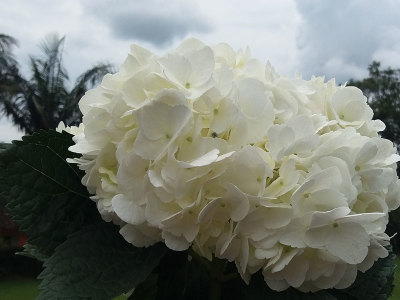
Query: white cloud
{"points": [[341, 38], [8, 132]]}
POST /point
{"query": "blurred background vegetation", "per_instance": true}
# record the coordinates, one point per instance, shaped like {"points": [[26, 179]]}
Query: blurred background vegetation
{"points": [[44, 99], [39, 101], [47, 97]]}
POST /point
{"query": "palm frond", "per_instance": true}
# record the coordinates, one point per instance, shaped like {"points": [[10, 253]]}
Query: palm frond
{"points": [[44, 100], [51, 64], [7, 59], [13, 109], [7, 43], [84, 82]]}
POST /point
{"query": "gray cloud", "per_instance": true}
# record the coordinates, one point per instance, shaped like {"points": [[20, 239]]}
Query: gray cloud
{"points": [[153, 21], [340, 38], [156, 29]]}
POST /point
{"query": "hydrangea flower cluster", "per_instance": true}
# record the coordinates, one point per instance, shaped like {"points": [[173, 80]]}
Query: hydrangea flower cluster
{"points": [[207, 148]]}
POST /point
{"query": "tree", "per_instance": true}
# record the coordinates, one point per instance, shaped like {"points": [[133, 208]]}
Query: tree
{"points": [[382, 89], [8, 72], [44, 100], [7, 60], [8, 65]]}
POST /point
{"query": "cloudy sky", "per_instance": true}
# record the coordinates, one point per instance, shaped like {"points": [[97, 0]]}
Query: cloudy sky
{"points": [[332, 38]]}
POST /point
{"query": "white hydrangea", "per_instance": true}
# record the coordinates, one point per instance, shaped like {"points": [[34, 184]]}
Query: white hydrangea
{"points": [[207, 148]]}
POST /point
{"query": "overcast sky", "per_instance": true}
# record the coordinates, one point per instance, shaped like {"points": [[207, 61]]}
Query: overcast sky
{"points": [[332, 38]]}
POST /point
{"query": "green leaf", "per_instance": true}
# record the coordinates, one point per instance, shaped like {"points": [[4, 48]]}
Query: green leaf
{"points": [[197, 282], [172, 275], [181, 277], [4, 146], [147, 289], [32, 252], [96, 263], [43, 192]]}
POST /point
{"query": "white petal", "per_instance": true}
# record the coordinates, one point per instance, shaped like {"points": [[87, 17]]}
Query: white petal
{"points": [[173, 242], [367, 152], [348, 277], [177, 68], [134, 93], [280, 137], [224, 117], [277, 216], [285, 259], [276, 285], [253, 100], [213, 210], [228, 246], [243, 258], [154, 120], [128, 210], [375, 180], [188, 45], [348, 241], [203, 160], [326, 282], [202, 62], [238, 203], [323, 218], [295, 273], [140, 236]]}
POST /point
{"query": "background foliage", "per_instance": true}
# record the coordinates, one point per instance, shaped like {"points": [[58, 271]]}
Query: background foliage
{"points": [[43, 100]]}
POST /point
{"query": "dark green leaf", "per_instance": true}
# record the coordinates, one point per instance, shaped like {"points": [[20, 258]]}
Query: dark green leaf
{"points": [[96, 263], [147, 289], [172, 275], [43, 192], [395, 216], [197, 282], [32, 252], [4, 146]]}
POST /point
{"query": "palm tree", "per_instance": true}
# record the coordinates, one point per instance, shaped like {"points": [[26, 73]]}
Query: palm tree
{"points": [[44, 100], [8, 65], [6, 56]]}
